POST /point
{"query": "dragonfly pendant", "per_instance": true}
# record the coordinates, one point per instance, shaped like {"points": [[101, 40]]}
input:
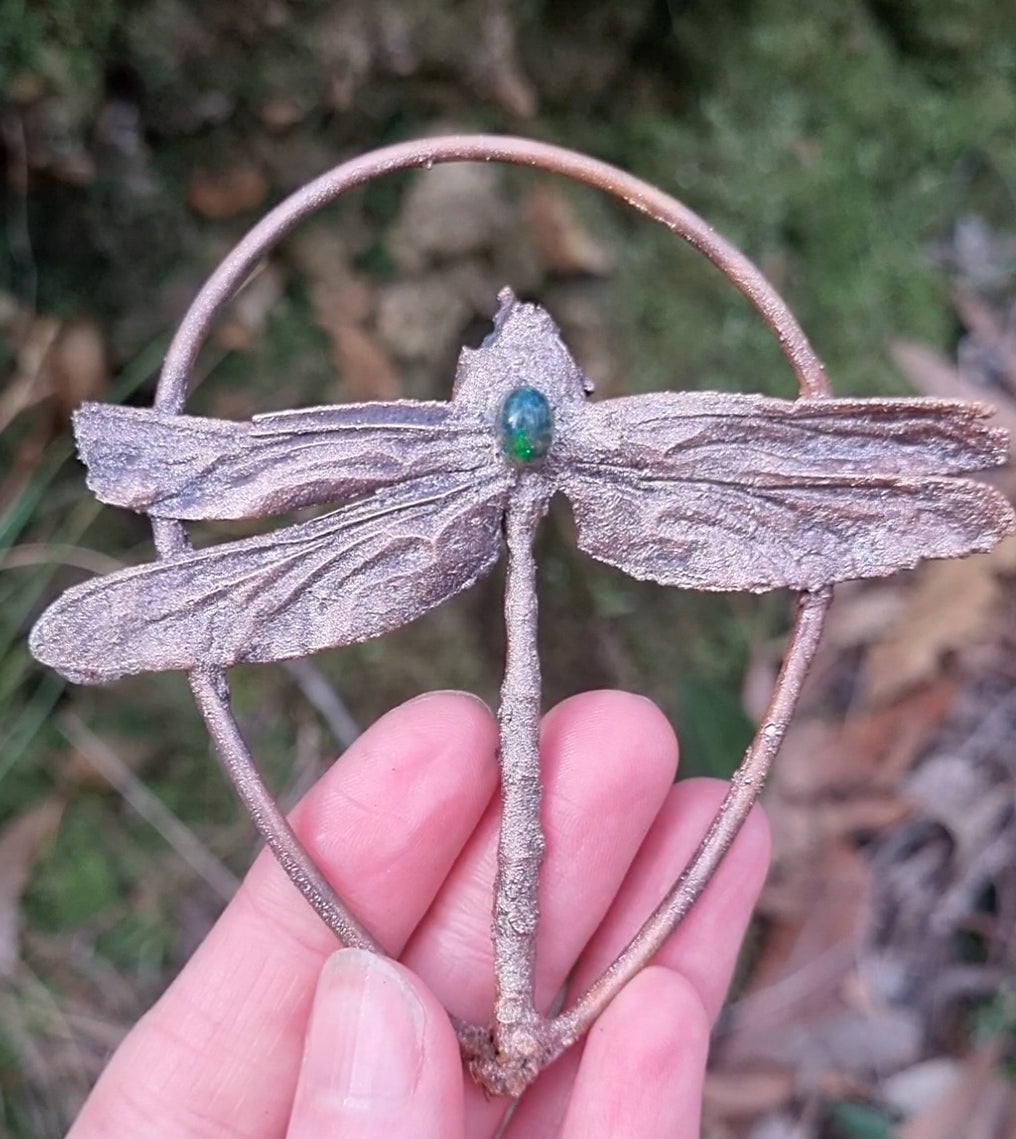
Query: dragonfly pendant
{"points": [[697, 490]]}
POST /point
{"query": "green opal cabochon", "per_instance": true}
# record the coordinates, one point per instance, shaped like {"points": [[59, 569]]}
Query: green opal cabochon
{"points": [[526, 425]]}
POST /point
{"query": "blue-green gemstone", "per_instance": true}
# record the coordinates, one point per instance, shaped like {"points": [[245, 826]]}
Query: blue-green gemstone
{"points": [[526, 425]]}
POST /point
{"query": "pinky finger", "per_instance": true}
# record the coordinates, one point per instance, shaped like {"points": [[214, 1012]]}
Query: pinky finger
{"points": [[380, 1058], [643, 1066]]}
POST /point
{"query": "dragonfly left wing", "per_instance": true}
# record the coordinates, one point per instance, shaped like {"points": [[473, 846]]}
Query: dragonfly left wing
{"points": [[189, 467], [727, 492], [342, 578]]}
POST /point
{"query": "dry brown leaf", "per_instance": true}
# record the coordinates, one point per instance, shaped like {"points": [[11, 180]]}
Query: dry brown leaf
{"points": [[246, 316], [828, 914], [735, 1093], [836, 1049], [364, 367], [343, 301], [913, 1090], [578, 308], [878, 748], [933, 375], [861, 814], [21, 842], [825, 761], [77, 365], [26, 87], [224, 193], [344, 305], [513, 93], [564, 245], [977, 315], [862, 612], [420, 320], [452, 212], [978, 1105], [971, 805], [796, 998], [342, 297], [859, 614], [283, 111], [326, 255], [29, 385], [63, 363], [495, 66], [952, 606]]}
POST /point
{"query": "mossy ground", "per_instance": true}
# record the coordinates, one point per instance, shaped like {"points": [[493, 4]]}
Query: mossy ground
{"points": [[836, 143]]}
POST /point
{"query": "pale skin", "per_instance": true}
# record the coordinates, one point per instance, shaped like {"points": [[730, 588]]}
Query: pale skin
{"points": [[269, 1031]]}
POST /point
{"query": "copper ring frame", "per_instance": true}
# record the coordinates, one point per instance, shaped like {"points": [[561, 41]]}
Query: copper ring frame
{"points": [[209, 685]]}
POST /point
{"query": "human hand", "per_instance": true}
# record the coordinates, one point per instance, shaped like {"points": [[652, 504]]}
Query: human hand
{"points": [[270, 1032]]}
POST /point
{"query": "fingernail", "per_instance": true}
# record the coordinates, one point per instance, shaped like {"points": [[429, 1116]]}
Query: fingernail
{"points": [[365, 1043], [423, 696]]}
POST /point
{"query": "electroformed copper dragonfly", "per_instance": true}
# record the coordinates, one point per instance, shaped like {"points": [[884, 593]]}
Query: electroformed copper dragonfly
{"points": [[698, 490]]}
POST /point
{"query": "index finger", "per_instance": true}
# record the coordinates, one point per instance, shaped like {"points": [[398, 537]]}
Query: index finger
{"points": [[219, 1053]]}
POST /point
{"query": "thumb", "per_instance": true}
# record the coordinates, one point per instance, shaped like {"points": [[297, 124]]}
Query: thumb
{"points": [[380, 1058]]}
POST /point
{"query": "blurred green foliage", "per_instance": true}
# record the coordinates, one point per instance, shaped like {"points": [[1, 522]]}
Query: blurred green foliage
{"points": [[837, 143], [61, 40], [853, 1120]]}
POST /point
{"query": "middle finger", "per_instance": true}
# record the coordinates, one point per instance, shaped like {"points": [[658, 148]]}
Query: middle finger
{"points": [[608, 760]]}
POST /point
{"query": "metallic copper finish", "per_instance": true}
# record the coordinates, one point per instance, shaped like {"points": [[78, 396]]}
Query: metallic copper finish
{"points": [[745, 786], [701, 490]]}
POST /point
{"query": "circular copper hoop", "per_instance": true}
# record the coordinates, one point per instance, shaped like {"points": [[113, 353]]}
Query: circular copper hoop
{"points": [[209, 685]]}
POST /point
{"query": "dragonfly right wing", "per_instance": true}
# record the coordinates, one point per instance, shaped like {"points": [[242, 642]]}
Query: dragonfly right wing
{"points": [[752, 438], [727, 536], [732, 492], [188, 467], [338, 579]]}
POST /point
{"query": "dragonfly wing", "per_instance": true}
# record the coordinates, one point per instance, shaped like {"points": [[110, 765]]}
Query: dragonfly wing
{"points": [[735, 492], [773, 496], [753, 438], [187, 467], [729, 536], [338, 579]]}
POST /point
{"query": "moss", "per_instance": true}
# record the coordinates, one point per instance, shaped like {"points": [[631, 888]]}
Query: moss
{"points": [[836, 143], [830, 160], [64, 41]]}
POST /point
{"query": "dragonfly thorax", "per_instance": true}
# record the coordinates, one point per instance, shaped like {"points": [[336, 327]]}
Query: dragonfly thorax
{"points": [[521, 380]]}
